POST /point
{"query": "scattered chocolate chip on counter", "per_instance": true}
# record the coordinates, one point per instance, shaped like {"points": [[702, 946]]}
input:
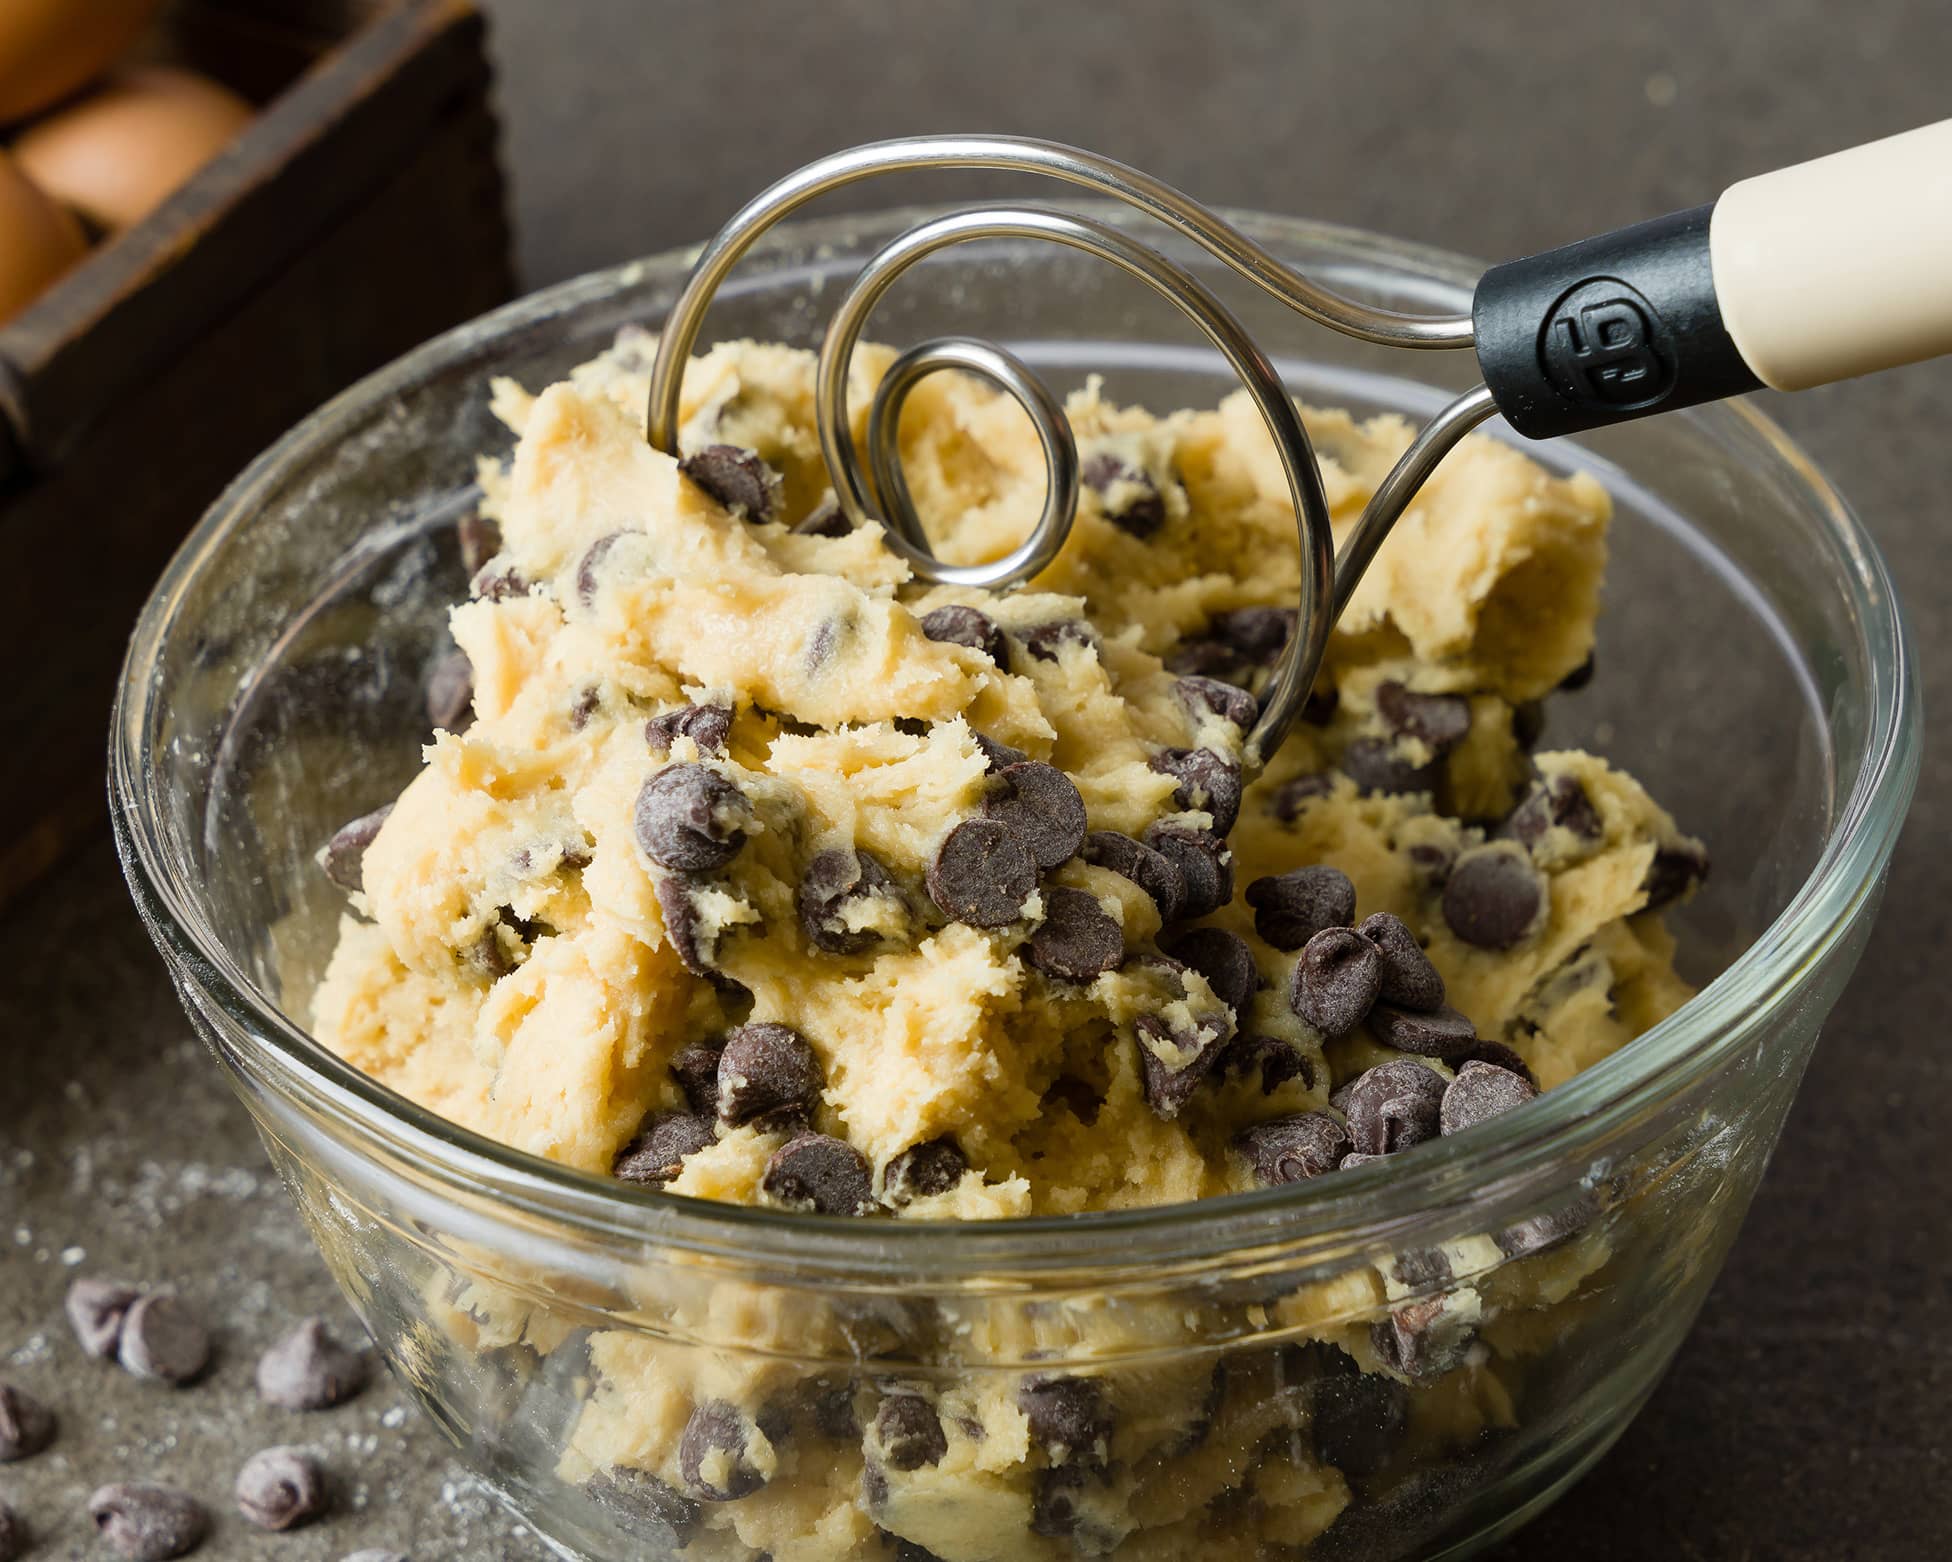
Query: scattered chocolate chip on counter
{"points": [[282, 1488], [14, 1538], [26, 1425], [147, 1522], [95, 1311], [163, 1338], [307, 1369]]}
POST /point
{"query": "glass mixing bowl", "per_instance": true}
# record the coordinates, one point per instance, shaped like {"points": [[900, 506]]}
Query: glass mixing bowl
{"points": [[1753, 672]]}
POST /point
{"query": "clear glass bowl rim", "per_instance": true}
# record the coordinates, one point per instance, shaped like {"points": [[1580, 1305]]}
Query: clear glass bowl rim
{"points": [[1549, 1143]]}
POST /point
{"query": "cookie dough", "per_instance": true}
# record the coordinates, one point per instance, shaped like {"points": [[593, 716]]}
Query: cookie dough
{"points": [[755, 870]]}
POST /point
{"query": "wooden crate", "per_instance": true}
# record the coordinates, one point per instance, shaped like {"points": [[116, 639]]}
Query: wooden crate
{"points": [[361, 213]]}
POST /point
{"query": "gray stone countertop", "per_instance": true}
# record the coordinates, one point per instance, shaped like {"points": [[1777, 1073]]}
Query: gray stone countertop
{"points": [[1806, 1419]]}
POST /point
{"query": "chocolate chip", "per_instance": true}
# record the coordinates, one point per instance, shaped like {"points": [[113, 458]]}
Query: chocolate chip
{"points": [[1141, 508], [307, 1369], [499, 582], [827, 519], [998, 756], [1440, 720], [1076, 940], [1354, 1159], [1289, 1149], [1375, 765], [832, 1405], [955, 624], [586, 704], [1133, 860], [1046, 641], [147, 1522], [1358, 1420], [1057, 1512], [1041, 806], [1392, 1107], [1430, 864], [344, 855], [1336, 981], [1070, 1418], [1494, 897], [13, 1535], [1537, 1233], [1220, 699], [480, 540], [706, 725], [982, 874], [1206, 782], [450, 693], [1291, 908], [644, 1504], [736, 478], [835, 881], [656, 1152], [95, 1311], [1579, 677], [682, 924], [1276, 1060], [1259, 632], [1438, 1033], [1498, 1055], [1168, 1087], [1292, 796], [163, 1339], [713, 1454], [589, 570], [1223, 958], [1560, 803], [825, 1175], [909, 1432], [696, 1070], [1674, 872], [1480, 1092], [1424, 1340], [1206, 866], [923, 1170], [26, 1425], [767, 1075], [281, 1488], [691, 818], [1210, 659], [1409, 979]]}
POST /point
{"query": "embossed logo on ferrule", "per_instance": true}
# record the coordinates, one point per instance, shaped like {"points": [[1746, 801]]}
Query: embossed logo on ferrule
{"points": [[1603, 345]]}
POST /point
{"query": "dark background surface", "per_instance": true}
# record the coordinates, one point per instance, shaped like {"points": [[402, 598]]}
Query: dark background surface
{"points": [[1807, 1417]]}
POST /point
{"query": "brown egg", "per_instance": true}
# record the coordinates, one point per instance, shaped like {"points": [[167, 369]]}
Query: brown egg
{"points": [[50, 48], [121, 151], [38, 240]]}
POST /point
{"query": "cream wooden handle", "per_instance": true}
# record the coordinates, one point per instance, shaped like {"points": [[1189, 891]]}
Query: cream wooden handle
{"points": [[1840, 266]]}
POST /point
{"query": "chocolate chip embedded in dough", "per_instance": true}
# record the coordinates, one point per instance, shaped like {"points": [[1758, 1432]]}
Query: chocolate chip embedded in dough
{"points": [[307, 1369], [836, 880], [480, 540], [998, 756], [1141, 507], [909, 1433], [683, 925], [656, 1152], [819, 1173], [1206, 866], [1480, 1092], [1259, 632], [1041, 806], [767, 1075], [1290, 1149], [1558, 803], [696, 1070], [26, 1425], [1440, 720], [281, 1489], [1206, 781], [163, 1338], [589, 569], [344, 856], [1134, 860], [1495, 898], [1223, 958], [1166, 1088], [922, 1171], [1070, 1418], [1393, 1107], [1291, 908], [1276, 1060], [1436, 1033], [1046, 641], [1408, 977], [1210, 659], [690, 818], [450, 693], [1076, 940], [1375, 765], [1358, 1419], [1675, 871], [714, 1454], [1292, 796], [1498, 1055], [982, 874], [1424, 1340], [955, 624], [643, 1503], [495, 582], [587, 703], [737, 479], [1430, 864], [1537, 1233], [1336, 981], [147, 1522], [95, 1311], [827, 519], [1225, 700], [706, 725]]}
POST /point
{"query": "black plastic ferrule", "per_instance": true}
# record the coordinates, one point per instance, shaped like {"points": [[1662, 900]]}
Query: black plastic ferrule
{"points": [[1608, 329]]}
